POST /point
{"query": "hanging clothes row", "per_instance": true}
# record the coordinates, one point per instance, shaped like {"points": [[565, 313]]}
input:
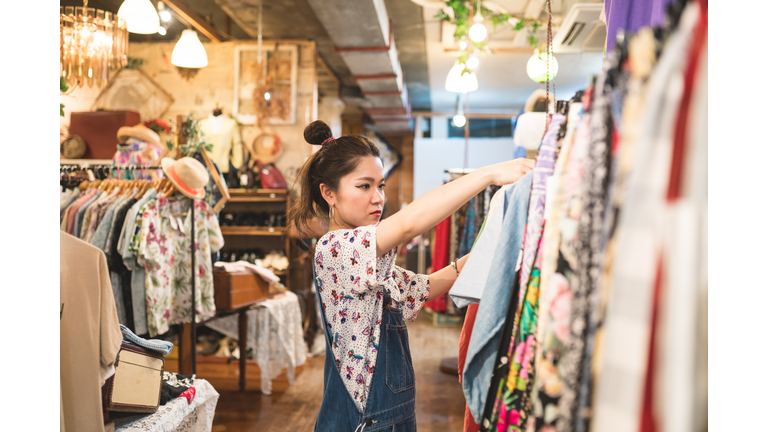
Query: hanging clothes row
{"points": [[454, 236], [143, 228], [596, 333]]}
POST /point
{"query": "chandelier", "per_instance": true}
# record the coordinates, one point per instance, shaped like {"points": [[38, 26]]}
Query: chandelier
{"points": [[92, 42]]}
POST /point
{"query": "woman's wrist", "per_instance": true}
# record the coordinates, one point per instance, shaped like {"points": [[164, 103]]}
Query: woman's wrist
{"points": [[486, 173]]}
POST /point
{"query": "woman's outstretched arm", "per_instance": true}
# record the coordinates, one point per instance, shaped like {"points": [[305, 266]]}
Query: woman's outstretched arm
{"points": [[441, 281], [437, 204]]}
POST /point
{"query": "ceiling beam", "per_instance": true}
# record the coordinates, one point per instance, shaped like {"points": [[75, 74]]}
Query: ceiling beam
{"points": [[532, 11], [189, 15]]}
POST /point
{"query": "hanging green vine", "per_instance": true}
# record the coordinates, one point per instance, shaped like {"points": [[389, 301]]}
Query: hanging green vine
{"points": [[195, 138], [462, 19]]}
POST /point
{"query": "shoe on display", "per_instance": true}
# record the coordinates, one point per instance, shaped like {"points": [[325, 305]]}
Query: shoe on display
{"points": [[224, 350]]}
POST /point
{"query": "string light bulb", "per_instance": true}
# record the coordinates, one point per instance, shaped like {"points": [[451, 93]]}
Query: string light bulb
{"points": [[459, 120], [267, 96]]}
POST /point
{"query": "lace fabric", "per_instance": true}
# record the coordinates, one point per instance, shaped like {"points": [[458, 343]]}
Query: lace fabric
{"points": [[275, 334], [177, 415]]}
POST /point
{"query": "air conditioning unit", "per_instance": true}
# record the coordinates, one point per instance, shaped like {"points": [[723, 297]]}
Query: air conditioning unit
{"points": [[581, 30]]}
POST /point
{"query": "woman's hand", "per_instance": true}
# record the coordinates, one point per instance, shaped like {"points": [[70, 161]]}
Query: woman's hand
{"points": [[511, 171]]}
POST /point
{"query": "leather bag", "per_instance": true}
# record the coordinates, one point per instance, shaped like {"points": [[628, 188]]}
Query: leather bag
{"points": [[271, 178], [137, 382]]}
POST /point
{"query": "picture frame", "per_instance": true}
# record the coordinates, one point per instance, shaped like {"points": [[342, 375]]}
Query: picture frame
{"points": [[134, 90], [280, 65]]}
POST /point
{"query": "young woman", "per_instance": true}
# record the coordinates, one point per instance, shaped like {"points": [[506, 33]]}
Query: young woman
{"points": [[365, 298]]}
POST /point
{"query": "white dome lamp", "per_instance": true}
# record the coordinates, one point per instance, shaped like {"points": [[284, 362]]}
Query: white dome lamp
{"points": [[537, 66], [189, 54], [140, 15], [457, 82]]}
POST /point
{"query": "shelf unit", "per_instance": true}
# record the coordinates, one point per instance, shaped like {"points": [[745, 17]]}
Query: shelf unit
{"points": [[264, 238]]}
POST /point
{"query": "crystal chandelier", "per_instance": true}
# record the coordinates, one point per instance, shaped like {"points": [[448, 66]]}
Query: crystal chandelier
{"points": [[92, 42]]}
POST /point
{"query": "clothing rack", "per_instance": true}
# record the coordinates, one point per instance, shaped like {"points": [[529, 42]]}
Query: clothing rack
{"points": [[193, 329]]}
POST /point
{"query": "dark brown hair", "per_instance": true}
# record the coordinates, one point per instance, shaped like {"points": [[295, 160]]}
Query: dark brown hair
{"points": [[335, 159]]}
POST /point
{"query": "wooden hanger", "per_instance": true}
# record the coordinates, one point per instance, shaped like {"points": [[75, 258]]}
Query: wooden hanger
{"points": [[216, 179]]}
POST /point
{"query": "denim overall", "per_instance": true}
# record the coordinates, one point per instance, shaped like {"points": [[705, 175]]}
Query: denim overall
{"points": [[392, 399]]}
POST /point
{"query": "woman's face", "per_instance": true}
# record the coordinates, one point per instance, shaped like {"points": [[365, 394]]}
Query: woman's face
{"points": [[360, 197]]}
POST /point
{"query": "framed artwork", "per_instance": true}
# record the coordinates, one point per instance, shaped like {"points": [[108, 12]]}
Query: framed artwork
{"points": [[390, 157], [265, 93], [134, 90]]}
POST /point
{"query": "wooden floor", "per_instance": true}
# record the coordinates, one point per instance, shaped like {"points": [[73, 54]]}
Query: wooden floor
{"points": [[439, 399]]}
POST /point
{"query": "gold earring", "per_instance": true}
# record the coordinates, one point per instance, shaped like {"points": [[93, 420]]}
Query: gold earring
{"points": [[330, 212]]}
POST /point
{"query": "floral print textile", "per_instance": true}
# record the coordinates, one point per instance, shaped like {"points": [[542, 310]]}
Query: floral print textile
{"points": [[513, 406], [164, 250], [351, 282]]}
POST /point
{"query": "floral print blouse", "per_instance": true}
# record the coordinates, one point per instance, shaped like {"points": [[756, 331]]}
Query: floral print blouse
{"points": [[352, 282], [164, 251]]}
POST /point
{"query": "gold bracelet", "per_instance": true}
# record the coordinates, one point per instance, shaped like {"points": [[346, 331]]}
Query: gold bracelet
{"points": [[455, 267]]}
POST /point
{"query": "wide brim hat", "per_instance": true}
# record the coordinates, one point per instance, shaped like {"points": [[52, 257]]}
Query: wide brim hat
{"points": [[265, 152], [73, 147], [188, 175], [139, 132], [537, 94]]}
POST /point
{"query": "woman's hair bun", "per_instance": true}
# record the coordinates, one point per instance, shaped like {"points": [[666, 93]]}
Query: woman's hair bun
{"points": [[317, 132]]}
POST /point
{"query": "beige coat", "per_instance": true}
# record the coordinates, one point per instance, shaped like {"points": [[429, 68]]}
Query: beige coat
{"points": [[89, 333]]}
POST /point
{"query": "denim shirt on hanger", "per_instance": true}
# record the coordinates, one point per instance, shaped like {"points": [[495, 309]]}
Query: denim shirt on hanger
{"points": [[484, 342]]}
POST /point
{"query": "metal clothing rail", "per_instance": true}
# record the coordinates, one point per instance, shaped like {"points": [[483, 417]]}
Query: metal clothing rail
{"points": [[193, 332]]}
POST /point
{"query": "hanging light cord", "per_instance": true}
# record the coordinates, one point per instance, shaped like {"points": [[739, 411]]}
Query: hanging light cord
{"points": [[260, 14], [549, 54]]}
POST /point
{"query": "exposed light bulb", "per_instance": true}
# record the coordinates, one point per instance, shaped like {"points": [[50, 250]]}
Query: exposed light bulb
{"points": [[459, 120], [267, 96], [478, 32], [462, 45], [161, 30], [165, 15], [473, 63]]}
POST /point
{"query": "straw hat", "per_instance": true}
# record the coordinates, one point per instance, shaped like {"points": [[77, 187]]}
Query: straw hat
{"points": [[73, 147], [534, 97], [188, 175], [265, 149], [140, 132]]}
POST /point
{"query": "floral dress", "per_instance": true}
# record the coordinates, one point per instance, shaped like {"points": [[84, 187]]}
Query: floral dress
{"points": [[164, 251], [351, 282]]}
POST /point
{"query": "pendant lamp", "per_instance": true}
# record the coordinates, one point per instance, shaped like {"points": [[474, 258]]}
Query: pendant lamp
{"points": [[457, 82], [537, 66], [140, 15], [92, 44], [189, 54]]}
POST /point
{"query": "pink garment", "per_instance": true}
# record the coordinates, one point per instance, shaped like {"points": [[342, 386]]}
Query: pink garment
{"points": [[75, 207]]}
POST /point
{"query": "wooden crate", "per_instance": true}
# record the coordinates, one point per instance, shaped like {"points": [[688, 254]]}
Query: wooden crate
{"points": [[236, 290]]}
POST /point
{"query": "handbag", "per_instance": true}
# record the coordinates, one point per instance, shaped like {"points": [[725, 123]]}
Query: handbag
{"points": [[271, 178], [243, 178], [137, 382]]}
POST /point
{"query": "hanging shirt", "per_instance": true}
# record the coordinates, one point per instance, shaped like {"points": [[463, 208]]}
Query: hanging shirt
{"points": [[164, 251], [352, 281], [224, 134]]}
